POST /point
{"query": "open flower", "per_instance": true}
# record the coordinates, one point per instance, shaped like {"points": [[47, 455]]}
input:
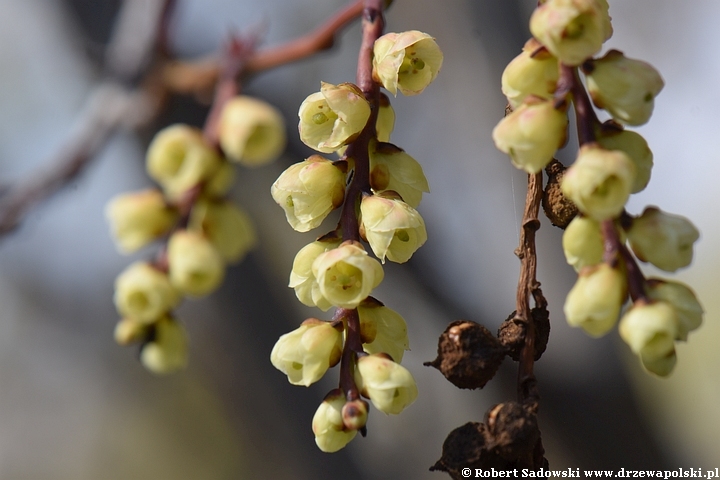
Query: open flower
{"points": [[308, 191], [330, 432], [383, 330], [167, 352], [138, 218], [531, 134], [573, 30], [534, 72], [388, 385], [600, 181], [392, 227], [306, 353], [663, 239], [407, 61], [595, 300], [144, 293], [333, 117], [650, 330], [228, 228], [179, 159], [624, 87], [195, 267], [251, 131], [346, 275], [302, 278], [393, 169]]}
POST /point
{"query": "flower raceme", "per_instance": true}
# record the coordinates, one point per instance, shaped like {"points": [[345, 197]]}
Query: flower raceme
{"points": [[333, 117], [392, 227], [346, 275], [251, 131], [388, 385], [139, 218], [407, 61], [306, 353], [531, 134], [308, 191]]}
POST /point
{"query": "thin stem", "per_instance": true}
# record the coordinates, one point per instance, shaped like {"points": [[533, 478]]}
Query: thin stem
{"points": [[353, 346], [585, 115], [615, 252], [528, 285]]}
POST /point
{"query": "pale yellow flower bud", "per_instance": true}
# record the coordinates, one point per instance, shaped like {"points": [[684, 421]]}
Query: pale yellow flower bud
{"points": [[144, 293], [383, 330], [531, 134], [663, 239], [392, 227], [687, 307], [333, 117], [385, 119], [354, 414], [228, 228], [168, 351], [195, 266], [583, 242], [624, 87], [138, 218], [252, 132], [637, 150], [389, 385], [308, 191], [599, 182], [306, 353], [346, 275], [327, 424], [179, 159], [573, 30], [302, 278], [595, 300], [129, 330], [220, 183], [533, 72], [393, 169], [407, 61], [650, 331]]}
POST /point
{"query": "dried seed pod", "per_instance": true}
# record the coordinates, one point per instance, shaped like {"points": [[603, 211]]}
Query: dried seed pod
{"points": [[512, 333], [558, 208], [468, 354], [512, 431], [463, 448]]}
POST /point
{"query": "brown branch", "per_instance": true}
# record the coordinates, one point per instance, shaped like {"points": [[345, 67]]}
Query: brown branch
{"points": [[111, 107], [527, 286]]}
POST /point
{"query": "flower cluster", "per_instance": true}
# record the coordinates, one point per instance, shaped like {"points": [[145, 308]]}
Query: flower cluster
{"points": [[200, 228], [603, 242], [378, 187]]}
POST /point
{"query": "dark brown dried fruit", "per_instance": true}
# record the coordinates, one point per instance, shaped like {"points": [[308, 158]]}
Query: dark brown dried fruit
{"points": [[512, 333], [468, 354], [512, 431], [559, 209]]}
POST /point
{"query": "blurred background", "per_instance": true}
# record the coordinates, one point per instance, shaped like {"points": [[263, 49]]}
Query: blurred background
{"points": [[74, 405]]}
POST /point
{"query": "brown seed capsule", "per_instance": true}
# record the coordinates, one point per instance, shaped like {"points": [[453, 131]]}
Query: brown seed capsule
{"points": [[463, 448], [512, 333], [558, 208], [468, 354], [512, 431]]}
